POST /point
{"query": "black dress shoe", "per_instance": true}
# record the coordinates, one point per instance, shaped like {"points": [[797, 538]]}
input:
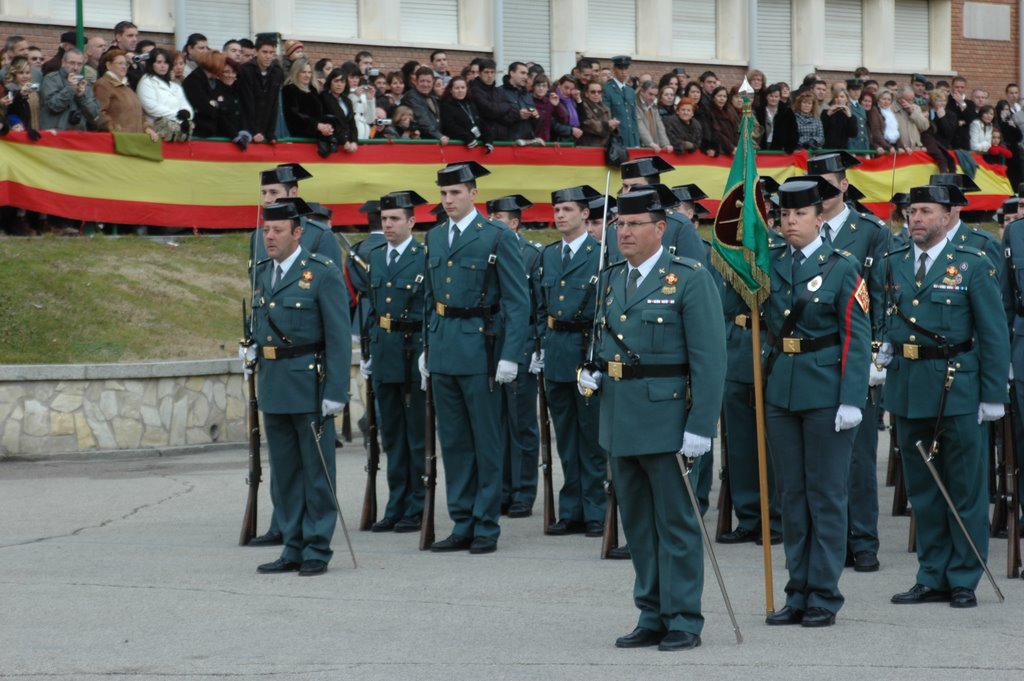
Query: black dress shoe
{"points": [[505, 506], [594, 528], [788, 615], [962, 597], [640, 638], [268, 539], [519, 510], [740, 535], [865, 561], [312, 568], [818, 617], [679, 640], [384, 525], [563, 527], [773, 536], [483, 545], [920, 593], [409, 524], [278, 566], [454, 542], [620, 553]]}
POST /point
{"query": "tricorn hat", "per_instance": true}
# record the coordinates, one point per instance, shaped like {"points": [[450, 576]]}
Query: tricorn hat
{"points": [[583, 193], [460, 173], [623, 61], [800, 192], [646, 200], [286, 173], [290, 208], [945, 195], [958, 180], [645, 166], [509, 204], [402, 199], [834, 162], [689, 192], [900, 199]]}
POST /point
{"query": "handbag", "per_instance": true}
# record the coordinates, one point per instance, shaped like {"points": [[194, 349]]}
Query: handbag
{"points": [[615, 153]]}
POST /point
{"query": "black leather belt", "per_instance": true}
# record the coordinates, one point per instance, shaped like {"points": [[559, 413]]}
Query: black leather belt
{"points": [[915, 351], [620, 371], [744, 321], [796, 346], [403, 325], [465, 312], [272, 352], [559, 325]]}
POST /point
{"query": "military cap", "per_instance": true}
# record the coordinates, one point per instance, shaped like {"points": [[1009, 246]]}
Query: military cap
{"points": [[854, 84], [1011, 205], [854, 195], [958, 180], [597, 206], [509, 204], [800, 192], [769, 185], [460, 173], [583, 193], [269, 38], [286, 173], [439, 211], [699, 211], [919, 78], [403, 199], [689, 192], [657, 197], [944, 195], [372, 210], [290, 208], [900, 200], [835, 162], [1020, 190], [645, 166], [623, 61]]}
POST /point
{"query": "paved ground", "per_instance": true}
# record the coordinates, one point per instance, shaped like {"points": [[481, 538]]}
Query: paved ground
{"points": [[129, 569]]}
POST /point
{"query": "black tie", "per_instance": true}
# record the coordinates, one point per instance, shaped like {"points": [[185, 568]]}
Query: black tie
{"points": [[826, 232], [634, 277], [394, 257], [566, 257], [921, 270], [278, 274], [455, 235], [798, 259]]}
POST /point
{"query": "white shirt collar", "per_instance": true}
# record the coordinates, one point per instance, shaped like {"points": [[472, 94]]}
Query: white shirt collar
{"points": [[836, 223], [464, 222], [400, 248], [576, 243], [953, 230], [646, 266], [286, 265], [809, 249], [933, 254]]}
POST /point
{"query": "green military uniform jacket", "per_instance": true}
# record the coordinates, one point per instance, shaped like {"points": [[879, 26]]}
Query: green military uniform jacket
{"points": [[674, 316], [568, 297], [868, 239], [396, 295], [531, 255], [959, 299], [317, 237], [462, 276], [308, 306], [838, 303], [621, 102]]}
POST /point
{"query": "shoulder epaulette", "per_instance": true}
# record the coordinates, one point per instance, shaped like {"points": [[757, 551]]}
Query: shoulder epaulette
{"points": [[536, 244], [260, 262], [964, 248], [322, 259], [776, 246], [873, 219], [617, 263], [552, 244], [899, 249], [687, 262], [378, 247]]}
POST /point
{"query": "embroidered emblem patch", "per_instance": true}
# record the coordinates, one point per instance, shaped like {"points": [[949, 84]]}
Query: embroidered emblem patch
{"points": [[861, 294]]}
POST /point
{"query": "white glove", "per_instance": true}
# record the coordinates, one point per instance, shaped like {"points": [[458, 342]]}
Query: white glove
{"points": [[695, 445], [588, 380], [1011, 372], [424, 372], [988, 411], [247, 353], [848, 417], [330, 408], [876, 376], [537, 362], [884, 355], [507, 371], [365, 368]]}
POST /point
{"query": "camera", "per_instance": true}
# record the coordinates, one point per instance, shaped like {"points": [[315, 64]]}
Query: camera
{"points": [[372, 72], [32, 87], [382, 121], [139, 58], [75, 117]]}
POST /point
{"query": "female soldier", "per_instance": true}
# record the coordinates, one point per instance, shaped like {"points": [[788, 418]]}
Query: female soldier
{"points": [[820, 349]]}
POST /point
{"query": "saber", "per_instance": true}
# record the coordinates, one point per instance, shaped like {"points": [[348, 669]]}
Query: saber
{"points": [[685, 466], [317, 434], [927, 457]]}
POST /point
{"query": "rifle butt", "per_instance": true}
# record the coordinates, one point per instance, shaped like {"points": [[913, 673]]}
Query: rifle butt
{"points": [[248, 521], [545, 444], [369, 513], [724, 525], [255, 466], [610, 538], [430, 472], [346, 424]]}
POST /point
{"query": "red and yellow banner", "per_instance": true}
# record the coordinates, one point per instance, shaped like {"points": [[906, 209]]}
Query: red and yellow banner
{"points": [[215, 185]]}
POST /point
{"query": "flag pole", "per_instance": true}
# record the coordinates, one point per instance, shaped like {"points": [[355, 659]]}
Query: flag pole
{"points": [[762, 463]]}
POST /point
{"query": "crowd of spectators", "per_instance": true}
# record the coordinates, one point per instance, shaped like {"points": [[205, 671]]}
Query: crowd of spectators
{"points": [[258, 91]]}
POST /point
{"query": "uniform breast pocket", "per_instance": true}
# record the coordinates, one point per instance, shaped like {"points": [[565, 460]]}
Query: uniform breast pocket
{"points": [[300, 312], [821, 312], [661, 327], [663, 389], [955, 308], [472, 271]]}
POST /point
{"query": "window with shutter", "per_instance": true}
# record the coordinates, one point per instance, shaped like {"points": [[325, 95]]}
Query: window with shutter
{"points": [[611, 27], [527, 25], [326, 20], [774, 40], [219, 21], [843, 31], [694, 29], [98, 13], [429, 21], [912, 34]]}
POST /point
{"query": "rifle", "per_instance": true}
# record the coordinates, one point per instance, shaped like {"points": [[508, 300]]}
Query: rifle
{"points": [[346, 424], [899, 495], [893, 464], [1013, 560], [997, 485], [255, 466], [430, 471], [545, 448], [610, 538], [369, 514], [725, 489]]}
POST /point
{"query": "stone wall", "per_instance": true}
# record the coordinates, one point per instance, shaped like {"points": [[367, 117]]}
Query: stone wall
{"points": [[46, 410]]}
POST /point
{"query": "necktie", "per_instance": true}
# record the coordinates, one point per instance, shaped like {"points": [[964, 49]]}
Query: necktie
{"points": [[455, 235], [921, 269], [798, 259], [394, 257], [278, 273], [826, 232], [634, 277], [566, 257]]}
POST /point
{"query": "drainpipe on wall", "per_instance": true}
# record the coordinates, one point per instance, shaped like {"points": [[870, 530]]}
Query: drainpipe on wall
{"points": [[499, 34]]}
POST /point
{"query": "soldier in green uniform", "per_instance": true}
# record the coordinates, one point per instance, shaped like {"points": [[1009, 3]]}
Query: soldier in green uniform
{"points": [[868, 239], [620, 99], [819, 340], [279, 183], [360, 263], [477, 321], [944, 319], [522, 440], [569, 281], [662, 341], [395, 330], [302, 341]]}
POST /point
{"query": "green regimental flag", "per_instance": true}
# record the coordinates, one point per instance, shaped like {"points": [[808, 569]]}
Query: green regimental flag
{"points": [[739, 245]]}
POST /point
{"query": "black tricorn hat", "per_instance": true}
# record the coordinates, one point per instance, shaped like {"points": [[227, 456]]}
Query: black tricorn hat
{"points": [[656, 197], [645, 166], [286, 173], [854, 195], [402, 199], [769, 185], [583, 193], [509, 204], [800, 192], [689, 192], [945, 195], [1011, 205], [1020, 190], [439, 211], [460, 173], [290, 208], [371, 207], [699, 210], [900, 199], [597, 206], [958, 180], [623, 61], [854, 84], [834, 162]]}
